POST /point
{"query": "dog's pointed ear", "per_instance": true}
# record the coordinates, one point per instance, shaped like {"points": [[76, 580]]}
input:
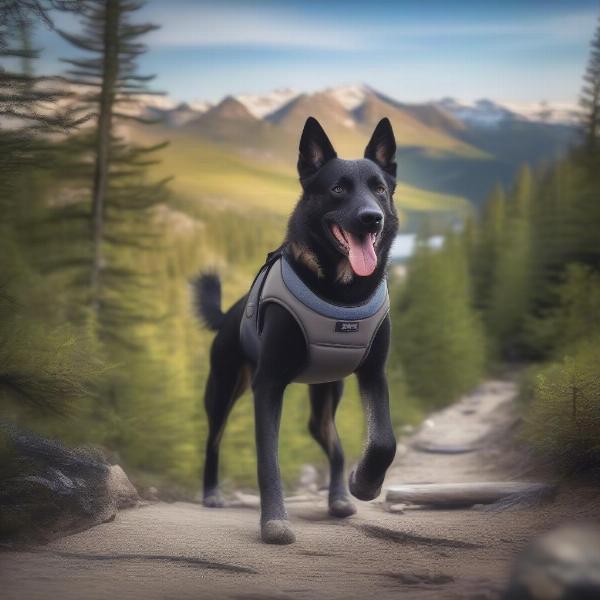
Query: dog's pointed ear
{"points": [[315, 149], [382, 147]]}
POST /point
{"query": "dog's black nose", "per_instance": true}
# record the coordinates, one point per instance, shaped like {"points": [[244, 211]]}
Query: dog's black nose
{"points": [[370, 218]]}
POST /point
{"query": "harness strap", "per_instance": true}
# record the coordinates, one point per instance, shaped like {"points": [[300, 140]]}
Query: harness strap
{"points": [[338, 338]]}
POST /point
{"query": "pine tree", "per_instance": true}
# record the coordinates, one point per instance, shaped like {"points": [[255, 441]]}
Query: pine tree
{"points": [[28, 103], [590, 100], [440, 338], [511, 288], [43, 363], [486, 246], [121, 196], [556, 235], [587, 205], [135, 294], [521, 201]]}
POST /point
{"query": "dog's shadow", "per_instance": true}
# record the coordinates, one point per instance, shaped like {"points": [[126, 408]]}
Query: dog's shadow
{"points": [[317, 515]]}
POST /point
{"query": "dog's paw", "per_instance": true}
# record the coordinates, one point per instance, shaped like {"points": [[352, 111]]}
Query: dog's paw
{"points": [[213, 499], [341, 507], [277, 531], [361, 490]]}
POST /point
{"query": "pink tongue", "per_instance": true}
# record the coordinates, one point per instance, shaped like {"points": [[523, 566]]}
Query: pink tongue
{"points": [[363, 259]]}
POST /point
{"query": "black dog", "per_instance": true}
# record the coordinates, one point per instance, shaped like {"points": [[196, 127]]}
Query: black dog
{"points": [[337, 245]]}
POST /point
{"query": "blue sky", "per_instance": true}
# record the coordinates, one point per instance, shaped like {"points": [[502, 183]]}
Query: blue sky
{"points": [[414, 50]]}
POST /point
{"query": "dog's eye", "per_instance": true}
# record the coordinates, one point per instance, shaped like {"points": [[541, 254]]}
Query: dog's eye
{"points": [[337, 189], [380, 189]]}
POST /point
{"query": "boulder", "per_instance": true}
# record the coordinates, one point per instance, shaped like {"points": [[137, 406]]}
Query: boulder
{"points": [[120, 489], [563, 564], [48, 490]]}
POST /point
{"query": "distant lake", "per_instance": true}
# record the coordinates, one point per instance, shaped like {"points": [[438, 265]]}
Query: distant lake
{"points": [[405, 243]]}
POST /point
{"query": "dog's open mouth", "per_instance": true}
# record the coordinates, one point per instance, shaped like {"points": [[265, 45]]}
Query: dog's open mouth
{"points": [[359, 249]]}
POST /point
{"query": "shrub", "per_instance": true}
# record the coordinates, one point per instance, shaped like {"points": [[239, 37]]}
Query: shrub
{"points": [[562, 421]]}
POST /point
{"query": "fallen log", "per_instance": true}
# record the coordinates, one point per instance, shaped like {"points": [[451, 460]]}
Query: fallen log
{"points": [[454, 495]]}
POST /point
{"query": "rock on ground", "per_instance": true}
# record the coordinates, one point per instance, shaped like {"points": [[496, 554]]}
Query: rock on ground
{"points": [[48, 490], [562, 564], [120, 489]]}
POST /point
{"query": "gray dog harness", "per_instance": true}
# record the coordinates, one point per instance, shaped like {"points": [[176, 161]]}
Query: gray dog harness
{"points": [[338, 338]]}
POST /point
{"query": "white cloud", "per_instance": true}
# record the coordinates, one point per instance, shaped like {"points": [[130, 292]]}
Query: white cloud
{"points": [[201, 25], [571, 27], [222, 25]]}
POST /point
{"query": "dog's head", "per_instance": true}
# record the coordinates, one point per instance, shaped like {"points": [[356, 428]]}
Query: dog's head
{"points": [[345, 221]]}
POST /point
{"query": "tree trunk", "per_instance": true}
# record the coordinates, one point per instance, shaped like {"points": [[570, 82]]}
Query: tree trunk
{"points": [[110, 70]]}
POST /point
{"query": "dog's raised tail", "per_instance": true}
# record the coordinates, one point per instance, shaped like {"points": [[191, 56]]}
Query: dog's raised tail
{"points": [[207, 300]]}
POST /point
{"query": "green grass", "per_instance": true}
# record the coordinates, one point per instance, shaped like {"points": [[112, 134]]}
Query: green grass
{"points": [[215, 175], [206, 172], [411, 198]]}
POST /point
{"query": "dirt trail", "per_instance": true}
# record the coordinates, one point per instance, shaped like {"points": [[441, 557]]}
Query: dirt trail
{"points": [[183, 551]]}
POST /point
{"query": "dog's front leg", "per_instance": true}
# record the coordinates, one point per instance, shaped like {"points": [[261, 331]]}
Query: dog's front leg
{"points": [[366, 481], [283, 353], [275, 528]]}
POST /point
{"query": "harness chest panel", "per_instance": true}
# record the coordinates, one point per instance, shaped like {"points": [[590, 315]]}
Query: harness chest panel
{"points": [[338, 338]]}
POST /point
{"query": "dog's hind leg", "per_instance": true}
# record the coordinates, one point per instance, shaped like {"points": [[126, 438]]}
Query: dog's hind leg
{"points": [[324, 400], [226, 383]]}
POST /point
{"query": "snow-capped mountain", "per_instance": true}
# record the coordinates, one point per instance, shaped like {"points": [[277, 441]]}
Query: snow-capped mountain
{"points": [[486, 113], [350, 96], [321, 105], [261, 105], [482, 113], [264, 105], [199, 106], [350, 100], [546, 112]]}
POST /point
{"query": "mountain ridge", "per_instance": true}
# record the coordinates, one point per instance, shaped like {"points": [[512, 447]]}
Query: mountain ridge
{"points": [[449, 148], [350, 97]]}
